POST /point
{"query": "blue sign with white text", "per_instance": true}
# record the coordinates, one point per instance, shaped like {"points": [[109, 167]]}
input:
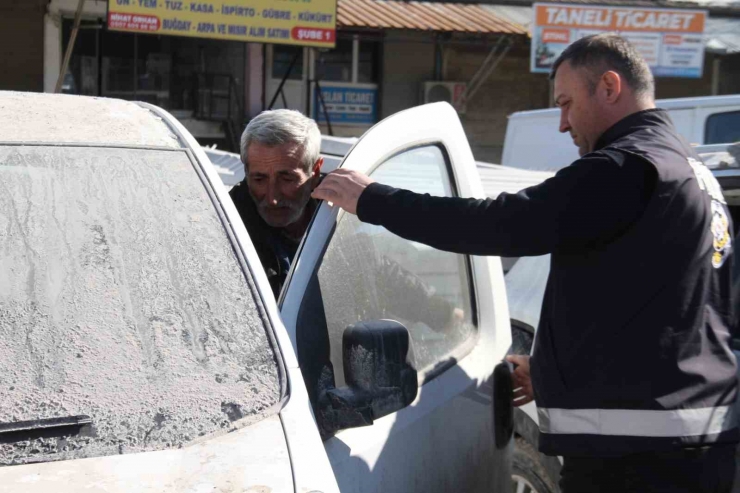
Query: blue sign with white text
{"points": [[346, 104]]}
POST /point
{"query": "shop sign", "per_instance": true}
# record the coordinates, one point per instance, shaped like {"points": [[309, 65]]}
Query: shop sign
{"points": [[670, 40], [349, 104], [305, 23]]}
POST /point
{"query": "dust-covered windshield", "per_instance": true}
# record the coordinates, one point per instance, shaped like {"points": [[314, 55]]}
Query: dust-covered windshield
{"points": [[121, 299]]}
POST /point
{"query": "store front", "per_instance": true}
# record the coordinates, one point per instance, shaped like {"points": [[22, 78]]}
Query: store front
{"points": [[339, 88], [21, 44], [200, 81], [209, 76]]}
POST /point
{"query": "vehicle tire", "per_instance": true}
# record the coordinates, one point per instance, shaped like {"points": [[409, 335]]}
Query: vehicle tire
{"points": [[528, 475]]}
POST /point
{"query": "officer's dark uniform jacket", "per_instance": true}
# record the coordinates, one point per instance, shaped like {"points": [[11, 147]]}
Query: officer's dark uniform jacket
{"points": [[632, 353]]}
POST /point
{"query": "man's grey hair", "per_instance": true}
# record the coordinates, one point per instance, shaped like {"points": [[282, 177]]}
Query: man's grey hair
{"points": [[279, 127], [601, 53]]}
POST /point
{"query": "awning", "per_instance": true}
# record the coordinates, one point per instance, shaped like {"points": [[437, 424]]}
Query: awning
{"points": [[423, 16], [520, 15]]}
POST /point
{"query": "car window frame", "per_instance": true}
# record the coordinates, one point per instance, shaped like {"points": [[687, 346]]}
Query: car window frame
{"points": [[715, 116], [463, 349], [467, 346], [247, 272], [198, 160], [454, 192], [225, 221]]}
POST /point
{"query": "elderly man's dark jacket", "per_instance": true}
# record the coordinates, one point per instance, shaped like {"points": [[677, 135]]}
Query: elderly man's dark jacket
{"points": [[275, 250]]}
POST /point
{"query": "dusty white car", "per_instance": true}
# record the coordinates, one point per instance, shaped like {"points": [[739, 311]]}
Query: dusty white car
{"points": [[142, 349], [532, 472]]}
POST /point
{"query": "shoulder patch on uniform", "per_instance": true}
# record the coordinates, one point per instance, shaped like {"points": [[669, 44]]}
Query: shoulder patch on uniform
{"points": [[722, 241], [707, 181]]}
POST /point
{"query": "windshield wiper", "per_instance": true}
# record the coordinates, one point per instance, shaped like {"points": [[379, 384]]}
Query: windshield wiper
{"points": [[44, 424]]}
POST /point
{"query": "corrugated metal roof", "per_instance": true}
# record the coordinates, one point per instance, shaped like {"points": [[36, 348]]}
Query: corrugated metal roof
{"points": [[515, 14], [423, 16], [715, 7], [722, 35]]}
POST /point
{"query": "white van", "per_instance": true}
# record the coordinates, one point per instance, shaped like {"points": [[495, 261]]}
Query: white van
{"points": [[533, 140]]}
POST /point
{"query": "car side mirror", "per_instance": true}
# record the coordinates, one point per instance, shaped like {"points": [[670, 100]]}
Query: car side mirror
{"points": [[379, 378]]}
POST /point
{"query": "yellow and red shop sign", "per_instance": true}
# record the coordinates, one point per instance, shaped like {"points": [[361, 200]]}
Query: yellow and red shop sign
{"points": [[295, 22]]}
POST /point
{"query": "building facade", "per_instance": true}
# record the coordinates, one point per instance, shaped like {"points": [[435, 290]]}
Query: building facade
{"points": [[389, 56]]}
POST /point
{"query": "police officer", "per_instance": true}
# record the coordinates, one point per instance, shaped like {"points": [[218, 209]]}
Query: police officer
{"points": [[632, 372]]}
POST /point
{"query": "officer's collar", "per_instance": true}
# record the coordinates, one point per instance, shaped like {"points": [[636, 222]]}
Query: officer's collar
{"points": [[631, 123]]}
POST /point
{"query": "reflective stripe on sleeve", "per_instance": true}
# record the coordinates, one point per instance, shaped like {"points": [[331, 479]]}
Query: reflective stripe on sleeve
{"points": [[632, 422]]}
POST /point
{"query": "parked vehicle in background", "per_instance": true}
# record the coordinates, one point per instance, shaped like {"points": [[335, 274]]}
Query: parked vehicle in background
{"points": [[533, 140], [138, 330], [231, 169]]}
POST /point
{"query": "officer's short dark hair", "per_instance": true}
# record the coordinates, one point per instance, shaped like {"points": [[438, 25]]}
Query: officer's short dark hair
{"points": [[600, 53]]}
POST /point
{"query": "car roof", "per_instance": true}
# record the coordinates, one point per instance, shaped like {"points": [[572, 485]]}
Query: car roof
{"points": [[497, 179], [722, 159], [231, 170], [668, 104], [56, 119], [337, 146]]}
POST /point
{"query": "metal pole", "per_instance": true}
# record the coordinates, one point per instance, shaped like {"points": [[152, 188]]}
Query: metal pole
{"points": [[99, 42], [716, 74], [136, 64], [489, 65], [282, 82], [323, 107], [70, 46], [355, 59]]}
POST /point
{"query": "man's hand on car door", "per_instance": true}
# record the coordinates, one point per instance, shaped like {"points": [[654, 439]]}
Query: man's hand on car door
{"points": [[342, 187], [522, 380]]}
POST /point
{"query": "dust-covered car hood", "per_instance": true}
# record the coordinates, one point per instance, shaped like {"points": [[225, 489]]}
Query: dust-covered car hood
{"points": [[254, 459]]}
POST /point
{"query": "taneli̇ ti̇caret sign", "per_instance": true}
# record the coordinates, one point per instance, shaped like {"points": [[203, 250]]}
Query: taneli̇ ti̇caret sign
{"points": [[670, 40]]}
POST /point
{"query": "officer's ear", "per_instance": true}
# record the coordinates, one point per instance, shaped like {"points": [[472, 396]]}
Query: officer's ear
{"points": [[610, 86]]}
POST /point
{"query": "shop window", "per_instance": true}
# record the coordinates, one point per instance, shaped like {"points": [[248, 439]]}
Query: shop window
{"points": [[202, 76], [82, 73], [367, 70], [282, 58], [336, 65]]}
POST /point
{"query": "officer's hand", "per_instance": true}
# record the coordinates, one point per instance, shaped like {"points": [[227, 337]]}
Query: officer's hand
{"points": [[523, 393], [343, 188]]}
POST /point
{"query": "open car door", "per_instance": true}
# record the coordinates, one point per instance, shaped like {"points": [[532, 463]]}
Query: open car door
{"points": [[454, 307]]}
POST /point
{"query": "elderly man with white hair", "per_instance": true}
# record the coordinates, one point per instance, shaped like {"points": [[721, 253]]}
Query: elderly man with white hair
{"points": [[280, 150]]}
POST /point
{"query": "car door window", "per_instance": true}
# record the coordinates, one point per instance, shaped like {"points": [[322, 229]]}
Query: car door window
{"points": [[368, 273], [723, 128], [122, 299]]}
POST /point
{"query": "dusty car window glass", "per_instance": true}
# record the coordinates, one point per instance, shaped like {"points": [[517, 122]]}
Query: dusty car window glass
{"points": [[122, 299], [369, 273]]}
